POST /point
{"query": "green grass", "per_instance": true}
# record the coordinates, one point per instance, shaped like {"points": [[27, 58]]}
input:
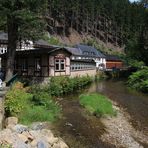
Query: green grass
{"points": [[40, 108], [33, 105], [38, 114], [97, 104]]}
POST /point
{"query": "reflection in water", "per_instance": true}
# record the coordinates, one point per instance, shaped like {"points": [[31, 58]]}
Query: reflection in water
{"points": [[80, 130], [136, 104]]}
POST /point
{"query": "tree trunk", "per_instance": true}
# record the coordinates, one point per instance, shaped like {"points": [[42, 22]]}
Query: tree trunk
{"points": [[12, 43]]}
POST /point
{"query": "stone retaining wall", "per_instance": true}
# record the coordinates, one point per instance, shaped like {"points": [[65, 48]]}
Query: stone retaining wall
{"points": [[2, 97], [1, 112]]}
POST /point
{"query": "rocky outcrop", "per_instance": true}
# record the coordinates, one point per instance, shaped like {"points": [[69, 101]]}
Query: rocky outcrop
{"points": [[36, 136]]}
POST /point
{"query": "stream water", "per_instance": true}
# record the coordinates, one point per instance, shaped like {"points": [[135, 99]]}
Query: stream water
{"points": [[80, 130]]}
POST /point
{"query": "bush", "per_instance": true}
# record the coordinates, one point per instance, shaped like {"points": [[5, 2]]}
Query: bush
{"points": [[139, 80], [37, 105], [63, 85], [16, 99], [97, 104]]}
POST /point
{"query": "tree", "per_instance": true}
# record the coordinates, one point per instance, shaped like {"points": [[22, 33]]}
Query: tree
{"points": [[24, 19]]}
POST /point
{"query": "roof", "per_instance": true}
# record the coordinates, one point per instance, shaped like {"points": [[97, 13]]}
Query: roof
{"points": [[112, 58], [83, 60], [89, 51], [41, 43], [74, 51]]}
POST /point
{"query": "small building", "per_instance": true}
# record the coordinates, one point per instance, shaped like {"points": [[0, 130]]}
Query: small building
{"points": [[113, 62], [48, 61], [39, 59]]}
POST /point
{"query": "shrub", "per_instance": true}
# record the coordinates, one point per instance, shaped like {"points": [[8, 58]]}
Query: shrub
{"points": [[16, 99], [37, 105], [63, 85], [139, 80], [97, 104]]}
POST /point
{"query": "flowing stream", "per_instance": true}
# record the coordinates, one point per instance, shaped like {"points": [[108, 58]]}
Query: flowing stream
{"points": [[80, 130]]}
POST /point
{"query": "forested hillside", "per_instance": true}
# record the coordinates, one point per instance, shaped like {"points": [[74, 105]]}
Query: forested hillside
{"points": [[111, 21], [117, 23]]}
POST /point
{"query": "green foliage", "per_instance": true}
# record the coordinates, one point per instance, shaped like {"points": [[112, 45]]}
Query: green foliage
{"points": [[5, 145], [41, 108], [35, 105], [97, 104], [26, 15], [38, 114], [136, 64], [63, 85], [51, 40], [137, 49], [15, 100], [139, 80]]}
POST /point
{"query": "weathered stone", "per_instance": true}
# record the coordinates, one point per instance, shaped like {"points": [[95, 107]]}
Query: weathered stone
{"points": [[20, 128], [62, 143], [11, 121], [23, 138], [47, 133], [43, 144], [35, 134], [52, 140], [37, 126], [56, 145], [20, 144], [34, 143], [28, 135], [19, 136]]}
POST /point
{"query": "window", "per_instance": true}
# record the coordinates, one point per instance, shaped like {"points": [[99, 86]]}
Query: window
{"points": [[60, 64], [24, 64], [37, 64]]}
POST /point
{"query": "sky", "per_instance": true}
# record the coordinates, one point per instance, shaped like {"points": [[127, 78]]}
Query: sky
{"points": [[133, 0]]}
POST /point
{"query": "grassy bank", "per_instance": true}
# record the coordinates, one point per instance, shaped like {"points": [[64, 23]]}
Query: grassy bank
{"points": [[30, 105], [97, 104], [36, 103]]}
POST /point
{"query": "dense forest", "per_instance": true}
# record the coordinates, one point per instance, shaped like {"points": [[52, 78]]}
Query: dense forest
{"points": [[117, 22]]}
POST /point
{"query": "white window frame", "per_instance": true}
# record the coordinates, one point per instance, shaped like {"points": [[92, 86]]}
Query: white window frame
{"points": [[60, 62]]}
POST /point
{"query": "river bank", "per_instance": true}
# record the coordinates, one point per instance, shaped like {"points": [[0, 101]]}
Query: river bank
{"points": [[79, 129], [121, 133]]}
